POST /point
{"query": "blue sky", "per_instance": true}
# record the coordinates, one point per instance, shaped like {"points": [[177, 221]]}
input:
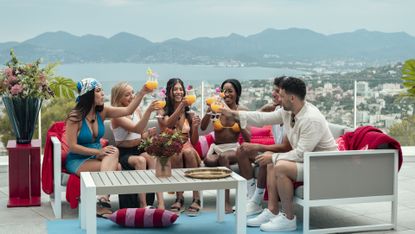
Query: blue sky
{"points": [[159, 20]]}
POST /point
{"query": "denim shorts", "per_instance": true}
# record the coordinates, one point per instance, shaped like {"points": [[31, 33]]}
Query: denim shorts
{"points": [[74, 161]]}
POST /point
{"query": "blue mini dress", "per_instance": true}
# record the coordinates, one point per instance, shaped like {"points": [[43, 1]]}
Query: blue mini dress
{"points": [[85, 138]]}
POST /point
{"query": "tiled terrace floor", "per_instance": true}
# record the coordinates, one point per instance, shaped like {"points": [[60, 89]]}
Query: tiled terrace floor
{"points": [[33, 220]]}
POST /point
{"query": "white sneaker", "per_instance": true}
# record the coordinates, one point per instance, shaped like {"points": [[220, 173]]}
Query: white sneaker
{"points": [[264, 217], [253, 208], [280, 223]]}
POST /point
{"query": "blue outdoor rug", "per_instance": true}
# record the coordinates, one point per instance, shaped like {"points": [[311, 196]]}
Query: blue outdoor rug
{"points": [[205, 223]]}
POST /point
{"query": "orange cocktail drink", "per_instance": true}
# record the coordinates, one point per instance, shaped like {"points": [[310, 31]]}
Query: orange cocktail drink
{"points": [[190, 99], [210, 100], [216, 107], [152, 84], [161, 104]]}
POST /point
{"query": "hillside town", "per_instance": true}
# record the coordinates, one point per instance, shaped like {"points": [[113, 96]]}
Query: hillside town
{"points": [[377, 94]]}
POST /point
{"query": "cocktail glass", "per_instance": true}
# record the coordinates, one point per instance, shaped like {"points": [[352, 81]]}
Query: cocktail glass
{"points": [[190, 99]]}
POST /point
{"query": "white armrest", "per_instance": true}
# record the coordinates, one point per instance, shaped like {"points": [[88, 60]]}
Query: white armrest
{"points": [[57, 159], [354, 173], [57, 170], [346, 177]]}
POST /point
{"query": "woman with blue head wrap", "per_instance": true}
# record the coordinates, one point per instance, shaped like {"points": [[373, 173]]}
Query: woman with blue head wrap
{"points": [[85, 128]]}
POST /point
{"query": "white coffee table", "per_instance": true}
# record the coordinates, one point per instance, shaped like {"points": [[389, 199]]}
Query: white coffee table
{"points": [[144, 181]]}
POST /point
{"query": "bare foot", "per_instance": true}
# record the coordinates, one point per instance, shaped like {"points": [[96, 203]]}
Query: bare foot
{"points": [[104, 212]]}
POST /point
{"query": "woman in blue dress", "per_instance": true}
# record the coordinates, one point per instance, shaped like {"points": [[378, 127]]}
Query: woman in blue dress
{"points": [[84, 129]]}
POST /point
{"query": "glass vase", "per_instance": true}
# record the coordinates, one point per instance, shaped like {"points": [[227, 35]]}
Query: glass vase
{"points": [[23, 113], [163, 167]]}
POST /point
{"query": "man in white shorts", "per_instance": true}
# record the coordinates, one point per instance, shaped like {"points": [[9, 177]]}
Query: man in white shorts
{"points": [[307, 131]]}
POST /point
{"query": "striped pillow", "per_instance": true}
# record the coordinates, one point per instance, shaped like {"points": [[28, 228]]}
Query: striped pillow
{"points": [[143, 217], [204, 143]]}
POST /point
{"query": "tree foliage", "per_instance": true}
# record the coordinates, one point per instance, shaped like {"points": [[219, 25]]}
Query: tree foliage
{"points": [[404, 132], [408, 77], [63, 87]]}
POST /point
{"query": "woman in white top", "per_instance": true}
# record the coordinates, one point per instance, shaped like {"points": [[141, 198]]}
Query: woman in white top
{"points": [[128, 131]]}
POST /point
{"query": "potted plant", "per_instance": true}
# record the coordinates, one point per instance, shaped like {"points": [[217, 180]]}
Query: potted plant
{"points": [[23, 87], [164, 146]]}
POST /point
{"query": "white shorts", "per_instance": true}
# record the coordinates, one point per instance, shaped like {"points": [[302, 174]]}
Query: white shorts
{"points": [[300, 172], [221, 148]]}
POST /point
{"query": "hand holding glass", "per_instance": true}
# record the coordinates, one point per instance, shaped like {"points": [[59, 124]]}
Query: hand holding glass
{"points": [[190, 98], [216, 106], [161, 103]]}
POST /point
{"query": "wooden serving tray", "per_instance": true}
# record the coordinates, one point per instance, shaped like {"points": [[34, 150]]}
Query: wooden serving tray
{"points": [[208, 173]]}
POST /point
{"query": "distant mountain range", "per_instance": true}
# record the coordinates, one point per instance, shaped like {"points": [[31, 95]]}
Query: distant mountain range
{"points": [[268, 47]]}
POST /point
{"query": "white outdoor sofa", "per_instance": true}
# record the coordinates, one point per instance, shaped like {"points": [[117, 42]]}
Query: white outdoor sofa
{"points": [[330, 178]]}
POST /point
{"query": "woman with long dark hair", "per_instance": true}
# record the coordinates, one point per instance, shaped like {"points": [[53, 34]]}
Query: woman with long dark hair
{"points": [[227, 131], [177, 116], [84, 129]]}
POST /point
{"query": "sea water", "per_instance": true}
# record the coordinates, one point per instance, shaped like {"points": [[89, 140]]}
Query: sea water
{"points": [[111, 73]]}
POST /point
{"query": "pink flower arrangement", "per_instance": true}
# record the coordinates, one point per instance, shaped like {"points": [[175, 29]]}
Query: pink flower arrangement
{"points": [[30, 80], [16, 89]]}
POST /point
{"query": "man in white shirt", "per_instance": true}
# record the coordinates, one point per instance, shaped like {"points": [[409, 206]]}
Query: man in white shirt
{"points": [[307, 131], [247, 152]]}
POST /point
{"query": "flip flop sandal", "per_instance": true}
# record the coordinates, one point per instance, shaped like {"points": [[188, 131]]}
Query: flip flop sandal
{"points": [[102, 202], [193, 210], [103, 208], [177, 209]]}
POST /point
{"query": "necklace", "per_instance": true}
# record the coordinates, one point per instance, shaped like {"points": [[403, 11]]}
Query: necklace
{"points": [[92, 121]]}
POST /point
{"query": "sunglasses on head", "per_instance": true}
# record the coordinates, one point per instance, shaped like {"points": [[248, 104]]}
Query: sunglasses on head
{"points": [[214, 116]]}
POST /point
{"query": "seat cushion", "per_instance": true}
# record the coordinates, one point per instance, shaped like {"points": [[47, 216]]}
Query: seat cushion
{"points": [[337, 130], [143, 217], [299, 192]]}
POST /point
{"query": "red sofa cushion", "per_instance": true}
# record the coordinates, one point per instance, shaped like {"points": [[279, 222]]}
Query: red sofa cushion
{"points": [[264, 131]]}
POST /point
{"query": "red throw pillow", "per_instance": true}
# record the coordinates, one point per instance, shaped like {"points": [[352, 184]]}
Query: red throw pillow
{"points": [[204, 143], [263, 140], [260, 136], [264, 131], [143, 217]]}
